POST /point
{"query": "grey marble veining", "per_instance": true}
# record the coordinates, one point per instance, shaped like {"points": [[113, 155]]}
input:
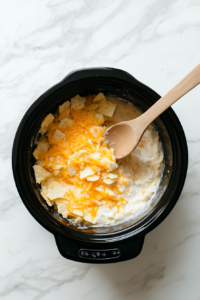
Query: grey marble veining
{"points": [[158, 42]]}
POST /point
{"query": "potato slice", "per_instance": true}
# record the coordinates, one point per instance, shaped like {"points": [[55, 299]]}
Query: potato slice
{"points": [[57, 190], [87, 171], [46, 123], [78, 212], [62, 209], [93, 178], [78, 220], [40, 173], [42, 147], [108, 180]]}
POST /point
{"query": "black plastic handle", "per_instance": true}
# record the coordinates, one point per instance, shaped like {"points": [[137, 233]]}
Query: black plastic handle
{"points": [[81, 74], [125, 249]]}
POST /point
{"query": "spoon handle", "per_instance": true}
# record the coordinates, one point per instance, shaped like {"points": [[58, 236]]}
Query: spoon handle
{"points": [[182, 88]]}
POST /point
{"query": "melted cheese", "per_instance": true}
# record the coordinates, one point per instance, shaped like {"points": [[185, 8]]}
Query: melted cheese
{"points": [[79, 155], [84, 174]]}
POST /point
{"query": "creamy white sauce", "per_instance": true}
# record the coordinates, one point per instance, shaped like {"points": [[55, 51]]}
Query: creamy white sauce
{"points": [[138, 174], [142, 168]]}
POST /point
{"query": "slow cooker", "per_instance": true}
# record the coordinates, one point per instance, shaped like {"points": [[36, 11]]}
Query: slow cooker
{"points": [[104, 244]]}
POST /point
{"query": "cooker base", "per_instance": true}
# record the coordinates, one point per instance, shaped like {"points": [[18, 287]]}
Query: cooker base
{"points": [[99, 253]]}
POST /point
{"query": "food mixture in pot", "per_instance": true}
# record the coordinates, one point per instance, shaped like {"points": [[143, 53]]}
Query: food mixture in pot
{"points": [[79, 175]]}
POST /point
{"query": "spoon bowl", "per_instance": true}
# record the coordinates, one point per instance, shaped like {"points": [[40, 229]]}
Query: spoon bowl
{"points": [[119, 138], [125, 136]]}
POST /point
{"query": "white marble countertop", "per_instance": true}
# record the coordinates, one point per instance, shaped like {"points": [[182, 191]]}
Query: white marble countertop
{"points": [[41, 41]]}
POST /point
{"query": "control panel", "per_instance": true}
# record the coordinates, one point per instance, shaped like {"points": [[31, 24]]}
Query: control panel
{"points": [[99, 254]]}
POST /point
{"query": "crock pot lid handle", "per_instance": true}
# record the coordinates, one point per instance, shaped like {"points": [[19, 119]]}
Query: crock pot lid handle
{"points": [[98, 72]]}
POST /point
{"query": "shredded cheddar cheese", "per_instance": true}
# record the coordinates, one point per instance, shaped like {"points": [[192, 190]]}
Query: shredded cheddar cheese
{"points": [[76, 152], [76, 170]]}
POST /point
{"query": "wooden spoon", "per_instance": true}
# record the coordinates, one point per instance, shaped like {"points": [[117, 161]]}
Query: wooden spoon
{"points": [[123, 137]]}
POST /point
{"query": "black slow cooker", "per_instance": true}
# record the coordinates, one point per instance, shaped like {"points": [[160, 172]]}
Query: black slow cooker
{"points": [[105, 244]]}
